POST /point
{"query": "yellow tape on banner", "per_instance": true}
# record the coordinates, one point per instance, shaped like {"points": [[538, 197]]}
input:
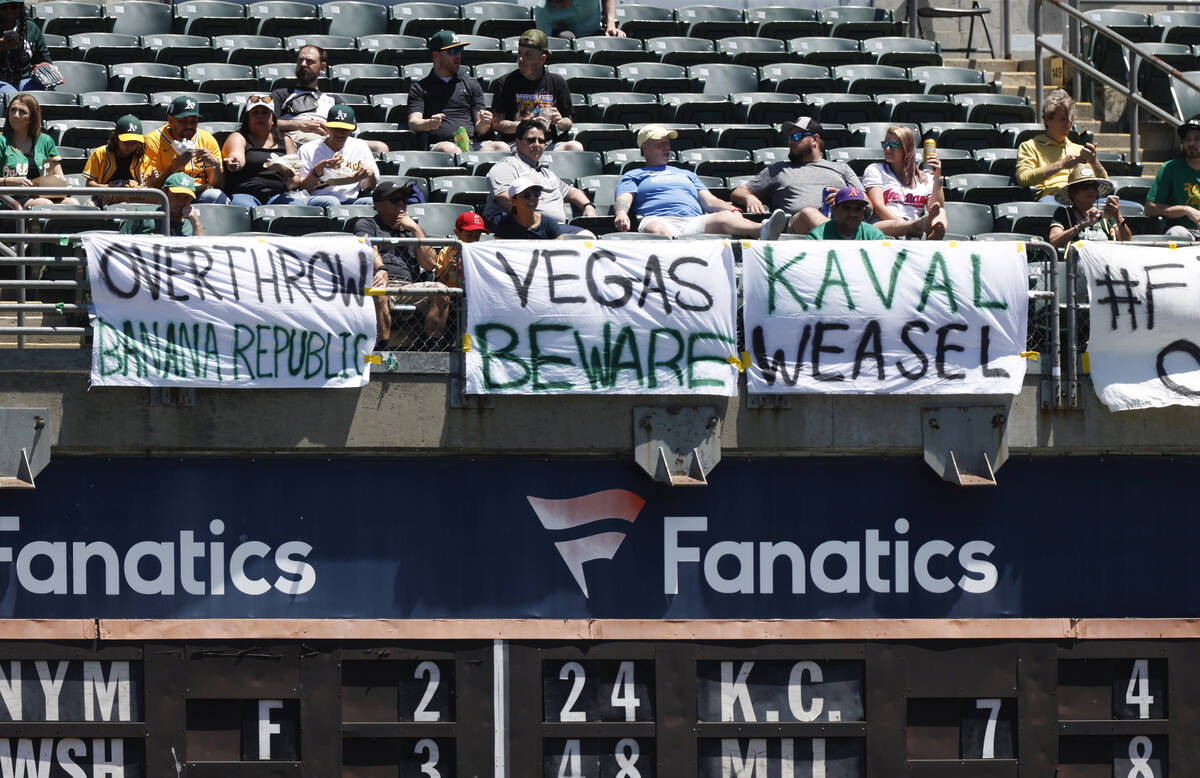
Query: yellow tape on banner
{"points": [[1020, 245], [1087, 363], [375, 291], [466, 346], [372, 359], [1030, 355]]}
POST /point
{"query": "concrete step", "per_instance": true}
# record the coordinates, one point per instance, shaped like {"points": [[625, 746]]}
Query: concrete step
{"points": [[982, 63]]}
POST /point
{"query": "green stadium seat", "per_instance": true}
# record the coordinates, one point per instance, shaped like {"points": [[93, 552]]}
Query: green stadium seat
{"points": [[754, 52], [1134, 188], [745, 136], [875, 79], [920, 109], [951, 80], [59, 48], [148, 77], [962, 135], [342, 217], [985, 188], [277, 74], [617, 161], [140, 17], [871, 134], [497, 19], [73, 158], [62, 105], [605, 50], [646, 21], [676, 50], [712, 21], [365, 79], [1031, 217], [720, 162], [858, 158], [219, 77], [282, 18], [354, 18], [478, 163], [1013, 134], [957, 162], [601, 189], [569, 165], [82, 77], [222, 219], [84, 133], [1155, 84], [585, 78], [289, 219], [68, 17], [603, 136], [410, 163], [108, 48], [655, 77], [391, 107], [211, 107], [423, 19], [859, 22], [828, 52], [841, 108], [110, 106], [770, 154], [437, 219], [1178, 26], [482, 48], [392, 136], [784, 22], [418, 70], [391, 49], [627, 107], [253, 50], [798, 78], [969, 218], [765, 107], [211, 18], [177, 49], [998, 160], [724, 79], [1106, 55], [1186, 100], [465, 190], [688, 108], [994, 108], [340, 49], [903, 52]]}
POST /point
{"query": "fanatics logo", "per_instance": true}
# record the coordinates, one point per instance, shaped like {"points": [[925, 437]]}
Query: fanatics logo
{"points": [[570, 517]]}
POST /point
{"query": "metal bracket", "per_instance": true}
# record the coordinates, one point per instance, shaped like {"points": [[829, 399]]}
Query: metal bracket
{"points": [[24, 446], [458, 398], [166, 396], [965, 445], [768, 401], [677, 446]]}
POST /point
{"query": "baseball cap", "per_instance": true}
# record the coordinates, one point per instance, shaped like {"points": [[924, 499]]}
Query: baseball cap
{"points": [[445, 39], [1191, 124], [469, 221], [803, 124], [183, 107], [849, 194], [390, 190], [181, 183], [341, 116], [129, 127], [654, 132], [522, 183], [534, 39]]}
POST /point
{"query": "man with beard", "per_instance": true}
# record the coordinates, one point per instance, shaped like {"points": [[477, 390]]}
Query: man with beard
{"points": [[532, 92], [300, 110], [1175, 193], [444, 101], [555, 193], [180, 146], [802, 184]]}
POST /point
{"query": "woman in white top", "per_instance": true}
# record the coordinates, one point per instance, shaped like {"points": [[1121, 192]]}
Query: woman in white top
{"points": [[906, 200]]}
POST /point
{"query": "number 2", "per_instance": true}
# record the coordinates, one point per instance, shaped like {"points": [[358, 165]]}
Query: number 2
{"points": [[431, 670], [572, 670], [992, 706], [1139, 677]]}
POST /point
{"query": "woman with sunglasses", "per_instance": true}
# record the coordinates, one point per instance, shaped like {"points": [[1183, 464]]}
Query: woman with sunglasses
{"points": [[525, 223], [249, 180], [908, 202]]}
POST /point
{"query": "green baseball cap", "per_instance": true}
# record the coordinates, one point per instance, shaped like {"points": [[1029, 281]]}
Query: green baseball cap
{"points": [[445, 39], [341, 116], [129, 127], [181, 183], [183, 107], [534, 39]]}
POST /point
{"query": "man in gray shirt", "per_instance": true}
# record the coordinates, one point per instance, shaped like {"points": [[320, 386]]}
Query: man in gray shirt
{"points": [[801, 184], [556, 193]]}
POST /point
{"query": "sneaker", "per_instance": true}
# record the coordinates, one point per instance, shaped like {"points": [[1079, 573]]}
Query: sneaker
{"points": [[773, 227]]}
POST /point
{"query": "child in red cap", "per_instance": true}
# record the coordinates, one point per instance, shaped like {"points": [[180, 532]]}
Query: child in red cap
{"points": [[468, 227]]}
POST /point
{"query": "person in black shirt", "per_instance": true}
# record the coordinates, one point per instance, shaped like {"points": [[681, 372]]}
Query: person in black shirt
{"points": [[22, 48], [403, 263], [249, 181], [532, 92], [443, 102]]}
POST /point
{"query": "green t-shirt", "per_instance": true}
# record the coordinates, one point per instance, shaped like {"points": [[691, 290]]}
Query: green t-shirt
{"points": [[828, 231], [581, 17], [1176, 184], [182, 228], [16, 163]]}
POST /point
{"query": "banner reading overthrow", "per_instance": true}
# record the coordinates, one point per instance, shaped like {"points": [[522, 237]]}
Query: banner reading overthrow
{"points": [[903, 317], [601, 317], [1144, 345], [230, 312]]}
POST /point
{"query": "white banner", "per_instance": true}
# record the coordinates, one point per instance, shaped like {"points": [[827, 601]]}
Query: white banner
{"points": [[230, 311], [872, 317], [1144, 345], [601, 317]]}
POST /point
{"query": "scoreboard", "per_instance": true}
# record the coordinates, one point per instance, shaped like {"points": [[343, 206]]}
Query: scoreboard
{"points": [[637, 709]]}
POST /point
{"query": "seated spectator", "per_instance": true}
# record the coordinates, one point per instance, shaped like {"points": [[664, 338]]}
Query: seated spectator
{"points": [[532, 92], [22, 49], [557, 195], [1175, 193], [672, 201], [301, 109], [1080, 219], [250, 181], [524, 222], [180, 146], [339, 168], [848, 219], [803, 185], [468, 228], [907, 201], [572, 19], [1045, 161], [184, 221], [121, 161], [403, 264], [30, 153], [444, 102]]}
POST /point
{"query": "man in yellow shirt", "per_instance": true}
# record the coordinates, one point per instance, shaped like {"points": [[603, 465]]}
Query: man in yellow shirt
{"points": [[1045, 162], [181, 146]]}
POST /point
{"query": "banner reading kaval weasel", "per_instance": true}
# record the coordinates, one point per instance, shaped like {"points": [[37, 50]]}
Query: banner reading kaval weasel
{"points": [[885, 317], [230, 312], [601, 317]]}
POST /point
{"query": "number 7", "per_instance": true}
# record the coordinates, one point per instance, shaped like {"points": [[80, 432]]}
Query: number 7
{"points": [[992, 706]]}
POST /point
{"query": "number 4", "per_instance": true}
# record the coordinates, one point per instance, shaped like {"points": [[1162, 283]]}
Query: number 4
{"points": [[623, 693], [1138, 691]]}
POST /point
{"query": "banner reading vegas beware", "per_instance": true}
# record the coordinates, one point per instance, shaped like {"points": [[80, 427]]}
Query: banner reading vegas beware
{"points": [[230, 312], [903, 317], [601, 317]]}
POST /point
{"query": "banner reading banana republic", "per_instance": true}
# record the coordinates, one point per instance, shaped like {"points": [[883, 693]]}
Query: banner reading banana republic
{"points": [[890, 317], [230, 312], [597, 317], [1143, 348]]}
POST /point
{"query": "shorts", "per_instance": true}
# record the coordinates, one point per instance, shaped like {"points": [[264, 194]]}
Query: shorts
{"points": [[474, 145], [678, 226]]}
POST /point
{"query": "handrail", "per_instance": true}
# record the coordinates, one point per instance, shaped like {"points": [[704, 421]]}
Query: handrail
{"points": [[1137, 55]]}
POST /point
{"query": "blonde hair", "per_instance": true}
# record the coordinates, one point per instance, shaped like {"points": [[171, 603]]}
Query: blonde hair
{"points": [[908, 172], [1055, 100]]}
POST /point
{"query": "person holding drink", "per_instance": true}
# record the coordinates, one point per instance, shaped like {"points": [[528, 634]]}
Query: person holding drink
{"points": [[907, 200], [1080, 218]]}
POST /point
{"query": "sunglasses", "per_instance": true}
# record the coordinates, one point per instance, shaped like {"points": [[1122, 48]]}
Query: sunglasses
{"points": [[800, 135], [259, 99], [535, 140], [890, 144], [530, 193]]}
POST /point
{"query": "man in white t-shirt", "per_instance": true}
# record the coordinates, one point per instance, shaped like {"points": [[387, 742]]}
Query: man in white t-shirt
{"points": [[339, 168]]}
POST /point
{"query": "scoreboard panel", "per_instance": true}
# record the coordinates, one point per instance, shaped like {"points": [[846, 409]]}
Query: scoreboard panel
{"points": [[601, 709]]}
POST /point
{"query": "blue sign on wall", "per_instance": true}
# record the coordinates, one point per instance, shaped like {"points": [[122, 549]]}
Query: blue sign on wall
{"points": [[510, 538]]}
